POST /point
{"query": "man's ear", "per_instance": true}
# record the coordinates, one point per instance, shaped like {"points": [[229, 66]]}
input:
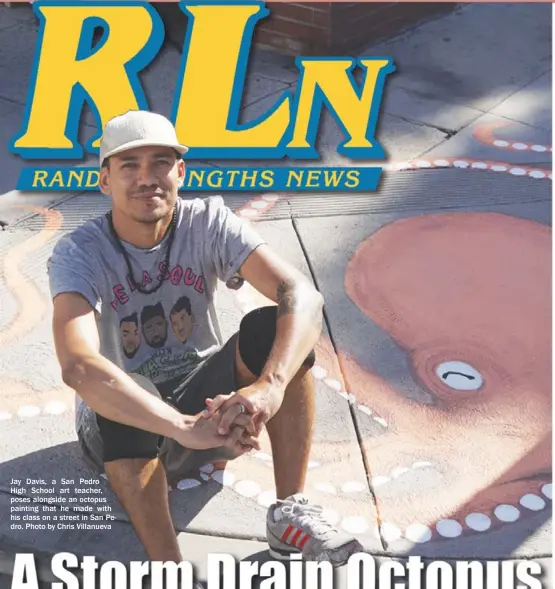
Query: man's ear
{"points": [[104, 181], [181, 172]]}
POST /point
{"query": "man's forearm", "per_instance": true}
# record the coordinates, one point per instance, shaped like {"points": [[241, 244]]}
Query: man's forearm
{"points": [[110, 392], [299, 325]]}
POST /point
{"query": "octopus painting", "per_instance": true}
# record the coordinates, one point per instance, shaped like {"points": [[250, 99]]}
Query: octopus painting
{"points": [[466, 299]]}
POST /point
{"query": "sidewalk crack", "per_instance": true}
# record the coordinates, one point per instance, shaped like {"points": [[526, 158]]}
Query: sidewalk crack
{"points": [[352, 408]]}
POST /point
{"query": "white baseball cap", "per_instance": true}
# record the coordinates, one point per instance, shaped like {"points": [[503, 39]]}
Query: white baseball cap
{"points": [[138, 128]]}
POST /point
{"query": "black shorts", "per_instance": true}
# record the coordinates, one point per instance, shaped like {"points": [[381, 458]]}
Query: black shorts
{"points": [[103, 440]]}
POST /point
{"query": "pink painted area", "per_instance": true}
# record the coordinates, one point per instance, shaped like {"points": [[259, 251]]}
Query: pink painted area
{"points": [[470, 288]]}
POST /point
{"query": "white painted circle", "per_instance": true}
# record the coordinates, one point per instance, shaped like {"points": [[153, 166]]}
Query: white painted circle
{"points": [[319, 372], [270, 197], [333, 384], [28, 411], [55, 408], [449, 528], [326, 488], [365, 409], [418, 533], [479, 522], [390, 532], [500, 143], [207, 468], [459, 376], [539, 148], [381, 421], [506, 513], [248, 488], [224, 477], [480, 165], [421, 464], [532, 502], [424, 164], [266, 498], [499, 168], [259, 204], [187, 484], [397, 472], [353, 487], [546, 490], [354, 524], [379, 480], [441, 163], [517, 172], [536, 174], [4, 415], [520, 146], [460, 164], [331, 516]]}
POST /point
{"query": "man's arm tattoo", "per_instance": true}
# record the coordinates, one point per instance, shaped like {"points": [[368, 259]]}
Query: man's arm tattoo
{"points": [[287, 299], [290, 300]]}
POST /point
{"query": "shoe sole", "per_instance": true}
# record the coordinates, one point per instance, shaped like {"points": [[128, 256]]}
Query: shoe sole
{"points": [[281, 555], [285, 556]]}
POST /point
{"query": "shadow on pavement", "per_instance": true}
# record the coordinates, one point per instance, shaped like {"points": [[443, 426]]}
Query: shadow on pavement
{"points": [[66, 470]]}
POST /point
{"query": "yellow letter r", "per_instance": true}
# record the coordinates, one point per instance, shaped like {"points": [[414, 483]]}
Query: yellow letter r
{"points": [[69, 70]]}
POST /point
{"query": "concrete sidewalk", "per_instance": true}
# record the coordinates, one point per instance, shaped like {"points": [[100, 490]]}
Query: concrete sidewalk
{"points": [[437, 308]]}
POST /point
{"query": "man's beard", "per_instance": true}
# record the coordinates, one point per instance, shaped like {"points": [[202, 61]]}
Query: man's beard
{"points": [[163, 210], [132, 354], [151, 218]]}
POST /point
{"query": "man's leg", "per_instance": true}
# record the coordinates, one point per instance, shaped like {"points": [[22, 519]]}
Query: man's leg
{"points": [[141, 487], [291, 429], [137, 477], [293, 525]]}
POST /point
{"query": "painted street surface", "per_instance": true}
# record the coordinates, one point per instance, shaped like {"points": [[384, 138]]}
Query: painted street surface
{"points": [[433, 432]]}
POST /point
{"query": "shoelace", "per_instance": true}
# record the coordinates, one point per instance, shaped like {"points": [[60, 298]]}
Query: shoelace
{"points": [[309, 516]]}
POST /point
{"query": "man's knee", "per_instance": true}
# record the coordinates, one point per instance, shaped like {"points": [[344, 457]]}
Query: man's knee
{"points": [[257, 334], [122, 441]]}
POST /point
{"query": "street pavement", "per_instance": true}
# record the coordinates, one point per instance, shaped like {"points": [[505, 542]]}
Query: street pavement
{"points": [[433, 433]]}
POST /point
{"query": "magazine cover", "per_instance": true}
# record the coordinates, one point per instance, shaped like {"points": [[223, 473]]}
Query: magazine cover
{"points": [[275, 295]]}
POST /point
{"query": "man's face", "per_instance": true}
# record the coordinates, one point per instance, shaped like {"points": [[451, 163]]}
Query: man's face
{"points": [[130, 337], [155, 331], [143, 182], [182, 325]]}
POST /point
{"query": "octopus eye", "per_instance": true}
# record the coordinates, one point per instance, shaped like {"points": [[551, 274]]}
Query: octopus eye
{"points": [[459, 376]]}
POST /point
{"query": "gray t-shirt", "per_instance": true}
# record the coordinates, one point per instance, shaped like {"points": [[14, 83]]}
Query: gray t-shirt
{"points": [[166, 334]]}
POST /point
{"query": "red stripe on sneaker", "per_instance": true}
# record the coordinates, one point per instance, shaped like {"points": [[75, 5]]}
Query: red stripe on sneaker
{"points": [[296, 537], [304, 541], [300, 539], [286, 533]]}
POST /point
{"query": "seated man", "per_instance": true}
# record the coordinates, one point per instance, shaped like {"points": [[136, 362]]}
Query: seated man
{"points": [[154, 404]]}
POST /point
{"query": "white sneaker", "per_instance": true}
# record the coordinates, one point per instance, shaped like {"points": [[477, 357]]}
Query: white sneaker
{"points": [[294, 526]]}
